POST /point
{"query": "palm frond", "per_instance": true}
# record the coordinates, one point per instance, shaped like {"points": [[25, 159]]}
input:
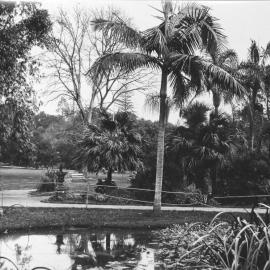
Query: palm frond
{"points": [[181, 87], [196, 114], [151, 101], [222, 79], [154, 40], [191, 65], [254, 52], [195, 28], [119, 30], [266, 53], [126, 61], [227, 59]]}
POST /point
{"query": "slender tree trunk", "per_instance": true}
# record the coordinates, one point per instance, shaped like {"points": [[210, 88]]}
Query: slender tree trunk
{"points": [[233, 112], [216, 111], [109, 175], [80, 106], [260, 136], [184, 178], [90, 112], [214, 179], [268, 105], [216, 101], [160, 143], [108, 242], [208, 182], [251, 128]]}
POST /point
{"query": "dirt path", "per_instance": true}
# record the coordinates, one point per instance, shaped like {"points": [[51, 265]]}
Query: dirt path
{"points": [[22, 198]]}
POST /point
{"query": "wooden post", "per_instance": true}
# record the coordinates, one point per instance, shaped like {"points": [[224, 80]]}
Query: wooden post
{"points": [[86, 201]]}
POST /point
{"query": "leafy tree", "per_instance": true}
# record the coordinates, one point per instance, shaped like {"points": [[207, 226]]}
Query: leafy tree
{"points": [[112, 144], [54, 138], [126, 104], [22, 26], [170, 48]]}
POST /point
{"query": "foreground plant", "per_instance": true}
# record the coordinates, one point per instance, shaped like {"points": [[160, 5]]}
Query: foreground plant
{"points": [[235, 245]]}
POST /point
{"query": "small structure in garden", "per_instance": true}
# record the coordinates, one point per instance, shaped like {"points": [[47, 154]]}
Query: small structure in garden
{"points": [[60, 188]]}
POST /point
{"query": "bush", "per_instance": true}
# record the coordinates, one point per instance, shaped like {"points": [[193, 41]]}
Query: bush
{"points": [[104, 187], [247, 175], [48, 182]]}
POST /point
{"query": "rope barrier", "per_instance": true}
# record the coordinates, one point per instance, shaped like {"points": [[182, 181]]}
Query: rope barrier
{"points": [[117, 187], [242, 196], [134, 200]]}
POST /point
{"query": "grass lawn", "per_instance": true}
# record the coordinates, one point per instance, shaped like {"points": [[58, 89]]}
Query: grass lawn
{"points": [[28, 178], [24, 218], [19, 178]]}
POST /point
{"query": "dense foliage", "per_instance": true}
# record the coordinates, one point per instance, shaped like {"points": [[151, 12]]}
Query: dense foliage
{"points": [[22, 27], [218, 153], [235, 244]]}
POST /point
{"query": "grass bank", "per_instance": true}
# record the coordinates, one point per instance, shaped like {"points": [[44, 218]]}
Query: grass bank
{"points": [[25, 218]]}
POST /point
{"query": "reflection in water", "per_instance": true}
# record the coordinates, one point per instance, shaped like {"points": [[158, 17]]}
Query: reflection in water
{"points": [[79, 250]]}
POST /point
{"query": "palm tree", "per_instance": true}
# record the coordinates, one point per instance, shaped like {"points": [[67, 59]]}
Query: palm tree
{"points": [[227, 60], [111, 144], [170, 48], [254, 75], [202, 142]]}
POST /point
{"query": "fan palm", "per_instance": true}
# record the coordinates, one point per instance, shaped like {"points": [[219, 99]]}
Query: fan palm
{"points": [[112, 144], [202, 142], [170, 48]]}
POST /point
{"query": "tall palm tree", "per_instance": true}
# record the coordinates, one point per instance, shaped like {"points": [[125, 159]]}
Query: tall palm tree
{"points": [[171, 47], [254, 75], [227, 60]]}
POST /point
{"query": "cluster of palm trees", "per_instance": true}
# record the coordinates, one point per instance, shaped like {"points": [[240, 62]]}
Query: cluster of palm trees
{"points": [[188, 50]]}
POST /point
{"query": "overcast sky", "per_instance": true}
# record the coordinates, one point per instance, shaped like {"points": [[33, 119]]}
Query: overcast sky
{"points": [[241, 21]]}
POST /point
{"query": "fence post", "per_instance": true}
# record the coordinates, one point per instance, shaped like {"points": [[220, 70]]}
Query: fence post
{"points": [[2, 201], [87, 191]]}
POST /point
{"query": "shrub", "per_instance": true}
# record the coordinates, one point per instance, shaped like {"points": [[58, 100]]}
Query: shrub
{"points": [[247, 175], [48, 182]]}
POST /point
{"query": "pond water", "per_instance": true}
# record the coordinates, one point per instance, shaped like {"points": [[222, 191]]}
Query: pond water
{"points": [[79, 250]]}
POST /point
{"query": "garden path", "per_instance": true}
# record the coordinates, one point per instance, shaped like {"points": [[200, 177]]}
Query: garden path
{"points": [[23, 198]]}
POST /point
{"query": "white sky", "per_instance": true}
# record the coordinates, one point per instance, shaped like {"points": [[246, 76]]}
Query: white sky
{"points": [[241, 21]]}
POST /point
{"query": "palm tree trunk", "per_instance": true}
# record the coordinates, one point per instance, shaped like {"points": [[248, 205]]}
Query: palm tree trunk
{"points": [[251, 128], [160, 143], [109, 175], [208, 182], [216, 101], [184, 178], [216, 111], [268, 105], [108, 242]]}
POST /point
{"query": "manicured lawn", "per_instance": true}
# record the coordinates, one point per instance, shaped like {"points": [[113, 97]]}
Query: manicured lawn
{"points": [[24, 218], [28, 178], [19, 178]]}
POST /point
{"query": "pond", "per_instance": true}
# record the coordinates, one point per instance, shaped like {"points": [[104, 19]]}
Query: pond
{"points": [[80, 249]]}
